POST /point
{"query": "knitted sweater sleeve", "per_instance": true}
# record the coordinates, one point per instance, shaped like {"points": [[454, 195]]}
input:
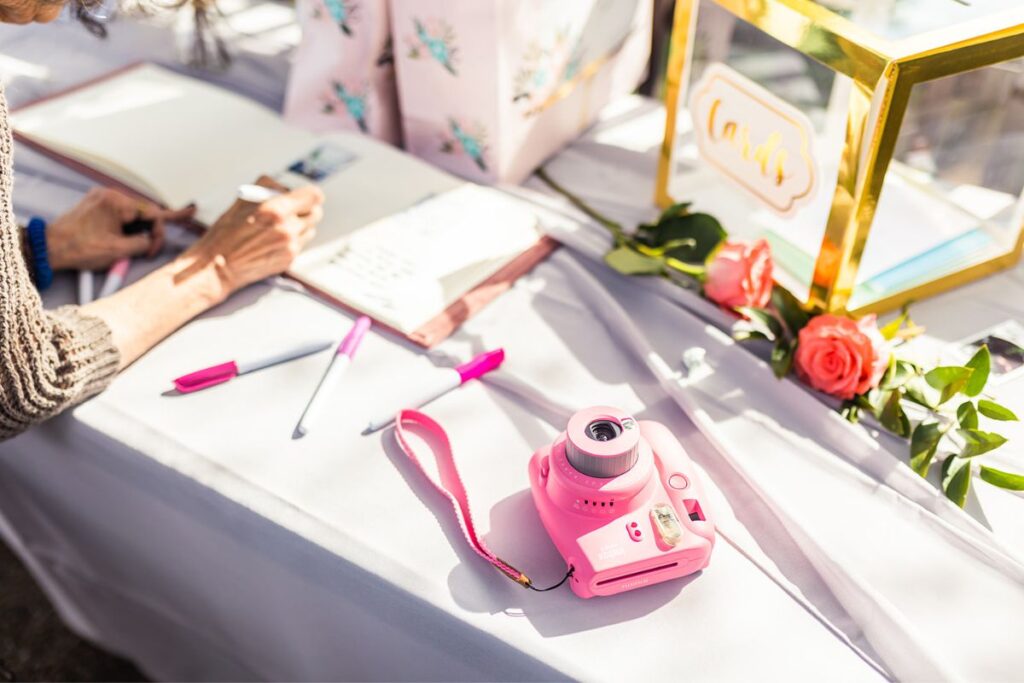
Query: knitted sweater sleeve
{"points": [[49, 360]]}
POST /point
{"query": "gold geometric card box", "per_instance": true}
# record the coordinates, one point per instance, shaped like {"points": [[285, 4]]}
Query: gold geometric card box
{"points": [[877, 145]]}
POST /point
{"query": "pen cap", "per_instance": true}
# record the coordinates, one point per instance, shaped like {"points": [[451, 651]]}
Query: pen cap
{"points": [[120, 267], [354, 337], [481, 365], [207, 377]]}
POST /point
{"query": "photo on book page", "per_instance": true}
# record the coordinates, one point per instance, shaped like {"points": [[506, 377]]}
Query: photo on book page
{"points": [[322, 162], [1006, 344]]}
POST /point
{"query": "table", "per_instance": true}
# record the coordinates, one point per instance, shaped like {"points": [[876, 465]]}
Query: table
{"points": [[194, 536]]}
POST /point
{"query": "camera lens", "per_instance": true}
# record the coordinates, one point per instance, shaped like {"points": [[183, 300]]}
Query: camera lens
{"points": [[603, 430], [602, 442]]}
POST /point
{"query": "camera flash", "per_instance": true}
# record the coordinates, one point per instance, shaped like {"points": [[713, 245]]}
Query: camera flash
{"points": [[667, 523]]}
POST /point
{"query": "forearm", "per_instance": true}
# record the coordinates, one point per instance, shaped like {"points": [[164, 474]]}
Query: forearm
{"points": [[142, 314]]}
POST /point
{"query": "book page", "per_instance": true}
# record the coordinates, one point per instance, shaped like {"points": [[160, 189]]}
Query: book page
{"points": [[407, 268], [400, 240], [181, 138]]}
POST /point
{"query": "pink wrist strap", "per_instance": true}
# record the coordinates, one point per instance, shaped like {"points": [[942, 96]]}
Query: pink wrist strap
{"points": [[414, 430]]}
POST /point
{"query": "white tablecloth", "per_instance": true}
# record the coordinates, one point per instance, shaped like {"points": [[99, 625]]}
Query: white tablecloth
{"points": [[193, 535]]}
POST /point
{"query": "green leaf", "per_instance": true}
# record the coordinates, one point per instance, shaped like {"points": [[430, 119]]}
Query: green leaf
{"points": [[747, 334], [662, 249], [678, 209], [967, 416], [923, 444], [949, 380], [956, 479], [1004, 480], [980, 363], [705, 231], [977, 442], [918, 391], [874, 401], [760, 320], [994, 411], [850, 411], [788, 306], [628, 262], [893, 418], [899, 373], [693, 269], [892, 328], [870, 402], [782, 358]]}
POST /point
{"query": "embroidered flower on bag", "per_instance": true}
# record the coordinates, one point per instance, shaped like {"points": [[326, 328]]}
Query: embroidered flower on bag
{"points": [[546, 65], [470, 140], [435, 38], [342, 12], [354, 99]]}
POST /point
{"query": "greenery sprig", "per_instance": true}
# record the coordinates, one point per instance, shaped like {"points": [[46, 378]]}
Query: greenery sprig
{"points": [[677, 245], [952, 435]]}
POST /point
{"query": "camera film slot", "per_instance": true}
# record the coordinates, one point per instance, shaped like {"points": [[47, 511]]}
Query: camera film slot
{"points": [[633, 575]]}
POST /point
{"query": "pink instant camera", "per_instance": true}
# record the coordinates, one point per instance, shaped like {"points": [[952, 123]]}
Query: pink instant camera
{"points": [[622, 502]]}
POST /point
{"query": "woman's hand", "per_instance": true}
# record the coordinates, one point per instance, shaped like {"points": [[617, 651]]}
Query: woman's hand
{"points": [[254, 241], [248, 243], [90, 237]]}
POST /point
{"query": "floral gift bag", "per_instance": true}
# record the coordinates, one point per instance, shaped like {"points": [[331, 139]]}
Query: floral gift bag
{"points": [[490, 88], [343, 73]]}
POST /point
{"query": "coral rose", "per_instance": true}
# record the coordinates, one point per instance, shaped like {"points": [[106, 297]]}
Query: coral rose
{"points": [[740, 274], [840, 356]]}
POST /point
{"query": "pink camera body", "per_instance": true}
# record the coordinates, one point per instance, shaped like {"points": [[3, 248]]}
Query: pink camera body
{"points": [[622, 503]]}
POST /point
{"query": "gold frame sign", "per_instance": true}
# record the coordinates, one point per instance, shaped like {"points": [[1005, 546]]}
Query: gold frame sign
{"points": [[882, 73]]}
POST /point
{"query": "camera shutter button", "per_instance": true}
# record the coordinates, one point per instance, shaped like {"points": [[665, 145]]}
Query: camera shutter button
{"points": [[678, 482]]}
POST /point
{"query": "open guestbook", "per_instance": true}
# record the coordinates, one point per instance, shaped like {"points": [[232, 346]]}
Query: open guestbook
{"points": [[413, 247]]}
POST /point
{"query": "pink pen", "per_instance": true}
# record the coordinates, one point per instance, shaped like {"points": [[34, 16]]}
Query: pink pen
{"points": [[218, 374], [115, 277], [441, 382], [339, 363]]}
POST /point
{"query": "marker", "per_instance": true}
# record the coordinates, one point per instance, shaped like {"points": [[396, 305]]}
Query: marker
{"points": [[85, 287], [218, 374], [443, 381], [115, 277], [137, 226], [256, 194], [340, 361]]}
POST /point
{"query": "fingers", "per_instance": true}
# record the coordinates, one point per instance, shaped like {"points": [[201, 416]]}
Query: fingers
{"points": [[156, 237], [184, 214], [267, 181], [297, 202], [125, 207], [160, 218], [132, 245], [313, 218], [309, 224], [128, 209]]}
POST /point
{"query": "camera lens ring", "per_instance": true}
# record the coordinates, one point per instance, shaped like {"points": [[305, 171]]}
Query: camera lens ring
{"points": [[602, 442]]}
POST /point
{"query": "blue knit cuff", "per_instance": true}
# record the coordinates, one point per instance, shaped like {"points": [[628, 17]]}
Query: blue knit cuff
{"points": [[40, 258]]}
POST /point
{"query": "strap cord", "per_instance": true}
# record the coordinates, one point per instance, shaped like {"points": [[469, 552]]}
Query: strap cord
{"points": [[557, 585], [416, 433]]}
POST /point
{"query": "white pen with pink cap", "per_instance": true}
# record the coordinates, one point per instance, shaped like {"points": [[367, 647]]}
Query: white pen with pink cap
{"points": [[115, 277], [442, 380], [331, 379]]}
